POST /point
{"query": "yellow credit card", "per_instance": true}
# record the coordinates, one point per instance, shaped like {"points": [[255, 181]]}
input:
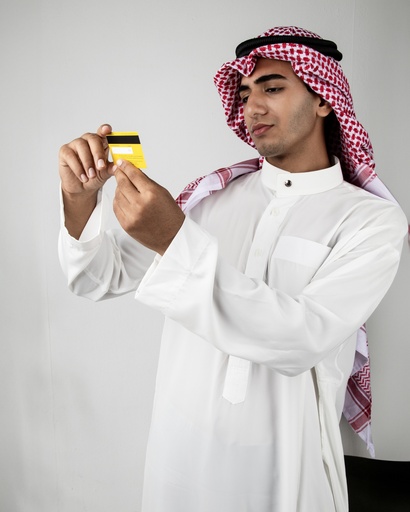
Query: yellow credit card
{"points": [[126, 146]]}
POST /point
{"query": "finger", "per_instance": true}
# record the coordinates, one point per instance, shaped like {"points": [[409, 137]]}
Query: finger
{"points": [[122, 198], [118, 207], [104, 130], [98, 146], [125, 185], [139, 179], [122, 206], [77, 159]]}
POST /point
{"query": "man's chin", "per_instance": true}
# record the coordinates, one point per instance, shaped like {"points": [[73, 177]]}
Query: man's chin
{"points": [[267, 151]]}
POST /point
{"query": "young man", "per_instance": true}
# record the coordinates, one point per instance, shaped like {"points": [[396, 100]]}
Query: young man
{"points": [[264, 284]]}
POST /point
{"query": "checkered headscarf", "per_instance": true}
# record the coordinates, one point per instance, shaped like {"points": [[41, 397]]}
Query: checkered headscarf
{"points": [[347, 139]]}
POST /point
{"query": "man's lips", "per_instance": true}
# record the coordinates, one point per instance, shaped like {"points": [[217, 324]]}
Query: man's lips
{"points": [[260, 128]]}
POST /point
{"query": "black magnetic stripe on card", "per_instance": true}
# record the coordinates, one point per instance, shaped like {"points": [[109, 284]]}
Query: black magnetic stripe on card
{"points": [[123, 139]]}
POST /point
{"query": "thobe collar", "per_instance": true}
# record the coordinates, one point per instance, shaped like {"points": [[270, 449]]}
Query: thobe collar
{"points": [[284, 183]]}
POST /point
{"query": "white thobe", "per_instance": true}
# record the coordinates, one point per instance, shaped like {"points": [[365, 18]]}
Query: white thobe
{"points": [[263, 290]]}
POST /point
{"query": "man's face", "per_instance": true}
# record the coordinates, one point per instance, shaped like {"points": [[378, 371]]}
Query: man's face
{"points": [[284, 119]]}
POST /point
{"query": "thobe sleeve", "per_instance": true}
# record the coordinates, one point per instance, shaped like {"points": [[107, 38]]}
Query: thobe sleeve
{"points": [[247, 318], [101, 264]]}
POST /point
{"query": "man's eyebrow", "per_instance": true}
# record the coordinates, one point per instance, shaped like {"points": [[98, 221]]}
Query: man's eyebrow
{"points": [[262, 79]]}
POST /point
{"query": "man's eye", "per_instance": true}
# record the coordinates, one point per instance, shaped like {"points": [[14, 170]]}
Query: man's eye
{"points": [[244, 99], [274, 89]]}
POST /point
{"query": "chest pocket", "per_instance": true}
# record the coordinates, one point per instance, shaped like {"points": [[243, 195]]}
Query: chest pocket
{"points": [[294, 262]]}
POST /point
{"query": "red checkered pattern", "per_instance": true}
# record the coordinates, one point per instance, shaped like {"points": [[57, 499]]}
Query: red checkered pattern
{"points": [[349, 142]]}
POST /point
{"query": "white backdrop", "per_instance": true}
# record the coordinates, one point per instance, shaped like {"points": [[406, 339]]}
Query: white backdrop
{"points": [[76, 378]]}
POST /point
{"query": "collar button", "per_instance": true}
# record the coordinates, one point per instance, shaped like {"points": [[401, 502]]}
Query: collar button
{"points": [[288, 183]]}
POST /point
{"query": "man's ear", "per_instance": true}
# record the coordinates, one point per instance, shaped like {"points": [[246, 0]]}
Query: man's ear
{"points": [[324, 108]]}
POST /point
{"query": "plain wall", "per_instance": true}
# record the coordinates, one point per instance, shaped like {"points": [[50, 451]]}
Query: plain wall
{"points": [[77, 378]]}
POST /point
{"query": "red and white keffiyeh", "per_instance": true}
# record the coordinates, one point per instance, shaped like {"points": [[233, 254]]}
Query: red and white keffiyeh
{"points": [[348, 140]]}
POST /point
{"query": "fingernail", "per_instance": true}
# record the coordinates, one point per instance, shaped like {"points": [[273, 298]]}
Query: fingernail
{"points": [[101, 163], [119, 163], [91, 172], [83, 178], [114, 168]]}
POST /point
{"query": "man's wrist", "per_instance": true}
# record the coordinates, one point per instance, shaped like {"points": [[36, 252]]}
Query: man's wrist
{"points": [[78, 198], [77, 210]]}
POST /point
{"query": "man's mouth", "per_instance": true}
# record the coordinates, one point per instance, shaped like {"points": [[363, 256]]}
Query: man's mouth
{"points": [[260, 128]]}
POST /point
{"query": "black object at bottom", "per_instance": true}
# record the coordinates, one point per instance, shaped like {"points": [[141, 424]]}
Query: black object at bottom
{"points": [[378, 485]]}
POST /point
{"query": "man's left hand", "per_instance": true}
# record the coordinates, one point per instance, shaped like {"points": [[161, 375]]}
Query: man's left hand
{"points": [[145, 210]]}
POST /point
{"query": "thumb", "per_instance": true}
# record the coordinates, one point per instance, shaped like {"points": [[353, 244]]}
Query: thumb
{"points": [[104, 130]]}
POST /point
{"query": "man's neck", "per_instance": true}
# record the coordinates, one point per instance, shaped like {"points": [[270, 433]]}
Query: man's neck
{"points": [[315, 162]]}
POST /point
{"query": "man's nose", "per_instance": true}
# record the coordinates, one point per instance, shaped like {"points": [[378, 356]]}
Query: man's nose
{"points": [[255, 104]]}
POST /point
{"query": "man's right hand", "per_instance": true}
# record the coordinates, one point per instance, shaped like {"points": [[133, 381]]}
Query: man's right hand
{"points": [[84, 168], [83, 163]]}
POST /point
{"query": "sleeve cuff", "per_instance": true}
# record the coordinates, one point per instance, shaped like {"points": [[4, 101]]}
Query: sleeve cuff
{"points": [[92, 232], [167, 276]]}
